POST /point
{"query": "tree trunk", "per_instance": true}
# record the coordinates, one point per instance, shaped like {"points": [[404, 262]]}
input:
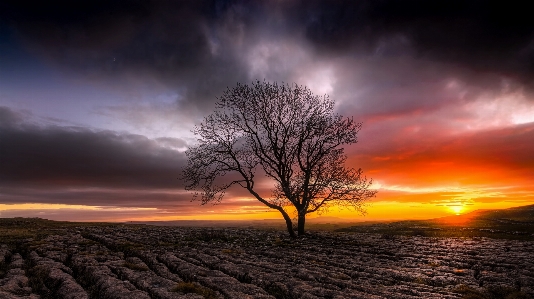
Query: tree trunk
{"points": [[301, 223], [289, 224]]}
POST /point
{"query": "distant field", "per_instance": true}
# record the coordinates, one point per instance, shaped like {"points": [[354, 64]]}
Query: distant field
{"points": [[514, 224], [269, 224], [47, 259]]}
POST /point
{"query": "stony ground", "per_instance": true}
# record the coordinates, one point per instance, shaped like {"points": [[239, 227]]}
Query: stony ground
{"points": [[169, 262]]}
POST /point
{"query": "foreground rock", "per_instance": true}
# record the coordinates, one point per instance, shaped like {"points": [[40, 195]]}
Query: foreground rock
{"points": [[169, 262]]}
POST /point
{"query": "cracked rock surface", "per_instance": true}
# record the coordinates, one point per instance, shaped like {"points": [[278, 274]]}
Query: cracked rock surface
{"points": [[137, 261]]}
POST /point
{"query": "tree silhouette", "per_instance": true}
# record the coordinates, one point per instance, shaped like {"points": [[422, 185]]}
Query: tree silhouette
{"points": [[285, 133]]}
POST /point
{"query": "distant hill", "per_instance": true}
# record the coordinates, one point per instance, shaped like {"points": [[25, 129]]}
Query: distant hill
{"points": [[524, 214], [521, 214], [512, 223]]}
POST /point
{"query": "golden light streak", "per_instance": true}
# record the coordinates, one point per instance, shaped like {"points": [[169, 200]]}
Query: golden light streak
{"points": [[43, 206], [48, 206]]}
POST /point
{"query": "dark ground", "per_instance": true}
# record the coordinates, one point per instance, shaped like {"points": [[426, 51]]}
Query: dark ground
{"points": [[486, 254]]}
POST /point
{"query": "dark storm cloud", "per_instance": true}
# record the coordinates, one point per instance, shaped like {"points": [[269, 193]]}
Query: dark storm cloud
{"points": [[443, 88], [73, 165], [390, 88], [481, 35], [199, 46], [176, 42], [10, 118], [53, 156]]}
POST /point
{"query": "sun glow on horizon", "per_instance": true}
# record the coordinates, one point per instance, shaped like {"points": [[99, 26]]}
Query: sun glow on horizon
{"points": [[457, 209], [387, 208]]}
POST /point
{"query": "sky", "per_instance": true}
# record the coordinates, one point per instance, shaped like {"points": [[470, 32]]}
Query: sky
{"points": [[98, 100]]}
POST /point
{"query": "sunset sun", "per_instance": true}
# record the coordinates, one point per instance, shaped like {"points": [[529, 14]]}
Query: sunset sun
{"points": [[457, 209]]}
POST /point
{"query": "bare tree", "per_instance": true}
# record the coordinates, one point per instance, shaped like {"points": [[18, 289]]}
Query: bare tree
{"points": [[285, 133]]}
